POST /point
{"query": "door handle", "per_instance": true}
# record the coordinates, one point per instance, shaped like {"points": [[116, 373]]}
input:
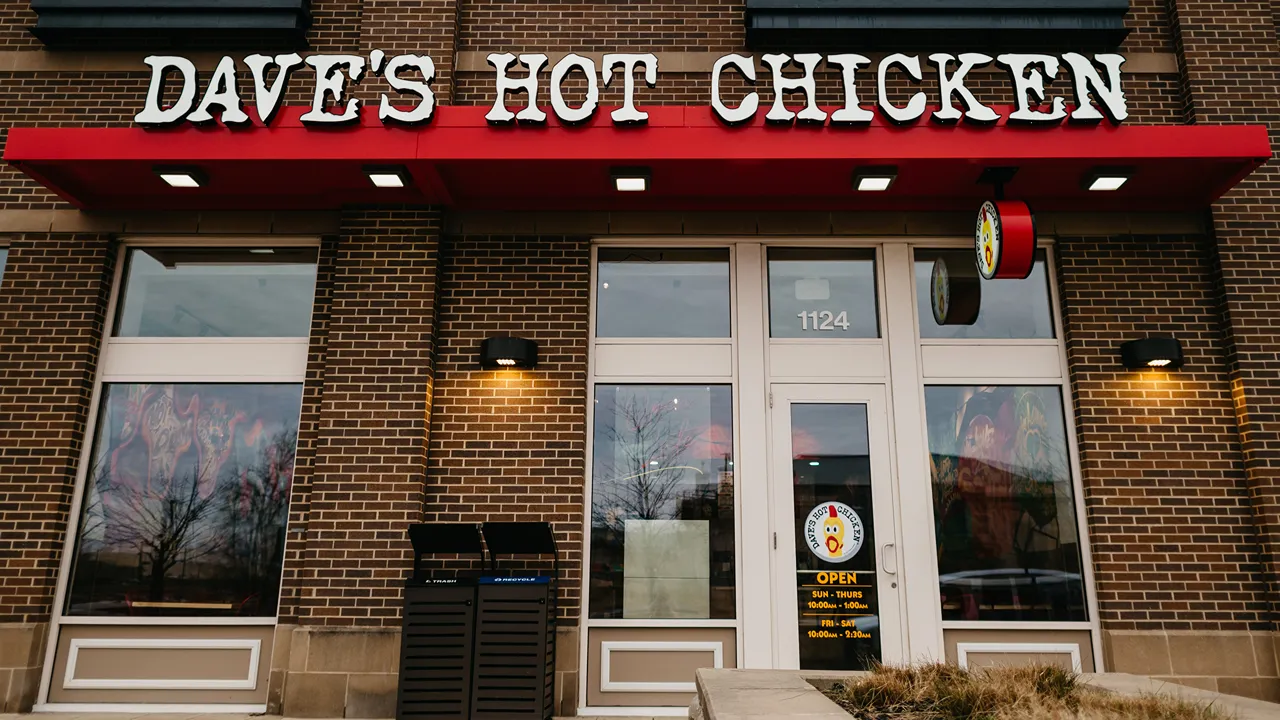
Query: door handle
{"points": [[885, 554]]}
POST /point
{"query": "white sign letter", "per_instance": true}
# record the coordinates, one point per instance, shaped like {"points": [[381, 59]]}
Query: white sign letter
{"points": [[330, 80], [974, 111], [628, 114], [747, 109], [427, 99], [152, 114], [562, 110], [1084, 77], [500, 114], [916, 105], [1024, 83], [222, 93], [783, 84], [852, 113], [267, 99]]}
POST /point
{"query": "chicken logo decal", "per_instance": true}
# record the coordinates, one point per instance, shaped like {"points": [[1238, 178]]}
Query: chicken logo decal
{"points": [[833, 532]]}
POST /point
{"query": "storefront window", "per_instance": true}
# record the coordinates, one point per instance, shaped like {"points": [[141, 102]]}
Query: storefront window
{"points": [[217, 292], [662, 536], [1004, 506], [1010, 309], [186, 501], [662, 293], [822, 293]]}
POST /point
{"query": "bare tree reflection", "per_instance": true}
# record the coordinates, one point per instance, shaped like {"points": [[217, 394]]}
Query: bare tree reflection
{"points": [[643, 478], [163, 530]]}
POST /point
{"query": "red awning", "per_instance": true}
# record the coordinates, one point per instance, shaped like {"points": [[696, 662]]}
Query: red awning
{"points": [[696, 162]]}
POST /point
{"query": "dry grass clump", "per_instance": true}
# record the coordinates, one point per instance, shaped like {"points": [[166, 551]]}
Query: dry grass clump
{"points": [[946, 692]]}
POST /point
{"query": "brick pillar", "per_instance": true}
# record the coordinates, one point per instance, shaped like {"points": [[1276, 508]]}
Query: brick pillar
{"points": [[511, 444], [367, 476], [53, 299], [1231, 72]]}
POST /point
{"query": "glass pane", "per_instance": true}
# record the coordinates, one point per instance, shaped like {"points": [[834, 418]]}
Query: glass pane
{"points": [[1004, 507], [218, 292], [644, 292], [4, 258], [822, 293], [662, 502], [835, 537], [1010, 309], [187, 501]]}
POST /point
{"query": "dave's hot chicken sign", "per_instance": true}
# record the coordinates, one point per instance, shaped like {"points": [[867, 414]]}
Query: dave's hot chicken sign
{"points": [[261, 80]]}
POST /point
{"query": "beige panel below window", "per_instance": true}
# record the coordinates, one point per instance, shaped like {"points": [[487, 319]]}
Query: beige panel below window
{"points": [[1010, 653], [676, 655], [162, 664]]}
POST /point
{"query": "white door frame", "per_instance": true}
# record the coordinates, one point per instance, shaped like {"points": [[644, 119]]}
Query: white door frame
{"points": [[888, 563]]}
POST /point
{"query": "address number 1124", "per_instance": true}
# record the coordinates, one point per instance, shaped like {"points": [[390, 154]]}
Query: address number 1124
{"points": [[824, 320]]}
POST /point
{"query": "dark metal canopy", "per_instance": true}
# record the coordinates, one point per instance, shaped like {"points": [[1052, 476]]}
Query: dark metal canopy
{"points": [[132, 24], [949, 24]]}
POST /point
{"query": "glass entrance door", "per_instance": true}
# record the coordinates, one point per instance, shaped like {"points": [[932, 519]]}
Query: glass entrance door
{"points": [[836, 582]]}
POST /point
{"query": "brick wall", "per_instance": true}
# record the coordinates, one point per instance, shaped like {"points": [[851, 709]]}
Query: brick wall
{"points": [[52, 305], [367, 480], [509, 445], [1174, 546], [1231, 72]]}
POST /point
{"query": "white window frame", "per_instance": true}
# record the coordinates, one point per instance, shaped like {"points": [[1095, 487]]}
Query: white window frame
{"points": [[285, 365], [1047, 371], [686, 373]]}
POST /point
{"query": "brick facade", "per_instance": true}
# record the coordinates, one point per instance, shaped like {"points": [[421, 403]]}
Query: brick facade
{"points": [[53, 303], [1182, 480]]}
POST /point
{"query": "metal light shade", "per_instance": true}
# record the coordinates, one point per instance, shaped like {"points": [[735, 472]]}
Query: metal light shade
{"points": [[508, 352], [1152, 352]]}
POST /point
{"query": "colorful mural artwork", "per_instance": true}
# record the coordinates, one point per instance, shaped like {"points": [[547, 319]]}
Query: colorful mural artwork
{"points": [[1006, 526], [186, 500]]}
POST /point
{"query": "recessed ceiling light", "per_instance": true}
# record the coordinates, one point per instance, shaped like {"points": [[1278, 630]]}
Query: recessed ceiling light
{"points": [[181, 177], [875, 178], [262, 251], [1107, 179], [392, 176], [631, 179]]}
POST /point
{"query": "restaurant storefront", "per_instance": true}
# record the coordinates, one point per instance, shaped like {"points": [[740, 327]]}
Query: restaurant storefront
{"points": [[783, 405]]}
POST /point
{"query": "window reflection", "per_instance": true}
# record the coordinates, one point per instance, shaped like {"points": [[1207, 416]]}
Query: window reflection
{"points": [[647, 292], [662, 502], [218, 292], [186, 500], [1004, 504], [822, 293], [1011, 309]]}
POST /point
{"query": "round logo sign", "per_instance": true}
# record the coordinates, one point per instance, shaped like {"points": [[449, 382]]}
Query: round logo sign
{"points": [[1005, 240], [833, 532], [955, 291], [986, 240], [941, 293]]}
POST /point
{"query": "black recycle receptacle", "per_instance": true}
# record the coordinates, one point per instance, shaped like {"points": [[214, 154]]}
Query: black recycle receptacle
{"points": [[479, 643]]}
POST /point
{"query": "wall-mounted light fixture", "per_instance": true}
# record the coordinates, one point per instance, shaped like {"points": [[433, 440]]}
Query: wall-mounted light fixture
{"points": [[874, 178], [1106, 179], [631, 179], [181, 176], [508, 352], [1153, 352], [387, 176]]}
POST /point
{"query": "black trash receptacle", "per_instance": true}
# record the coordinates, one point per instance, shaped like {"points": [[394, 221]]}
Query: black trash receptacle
{"points": [[438, 627], [515, 649]]}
